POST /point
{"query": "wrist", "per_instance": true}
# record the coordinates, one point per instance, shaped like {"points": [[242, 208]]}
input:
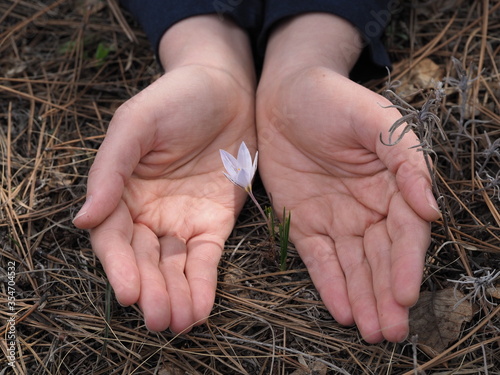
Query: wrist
{"points": [[207, 41], [312, 40]]}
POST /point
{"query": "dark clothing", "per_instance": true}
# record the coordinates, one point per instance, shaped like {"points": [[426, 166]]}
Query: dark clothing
{"points": [[258, 17]]}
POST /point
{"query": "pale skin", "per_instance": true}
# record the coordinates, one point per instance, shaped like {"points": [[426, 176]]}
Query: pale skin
{"points": [[159, 213], [160, 208], [360, 209]]}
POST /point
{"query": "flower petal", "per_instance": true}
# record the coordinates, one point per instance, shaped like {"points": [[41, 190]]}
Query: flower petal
{"points": [[230, 179], [230, 163], [240, 171], [244, 179], [244, 157], [255, 163]]}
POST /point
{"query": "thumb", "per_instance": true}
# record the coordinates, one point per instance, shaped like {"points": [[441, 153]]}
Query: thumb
{"points": [[115, 161], [415, 186], [402, 158], [409, 165]]}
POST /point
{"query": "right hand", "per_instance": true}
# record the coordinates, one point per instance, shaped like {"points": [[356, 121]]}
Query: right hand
{"points": [[159, 208]]}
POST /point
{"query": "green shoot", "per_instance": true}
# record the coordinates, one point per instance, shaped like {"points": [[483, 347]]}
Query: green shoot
{"points": [[284, 231], [270, 221], [102, 52]]}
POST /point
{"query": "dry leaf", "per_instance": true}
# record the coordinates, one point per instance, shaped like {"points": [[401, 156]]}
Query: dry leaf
{"points": [[90, 6], [437, 319], [494, 291], [316, 368], [423, 75], [171, 369], [426, 73], [18, 68], [319, 368], [232, 282]]}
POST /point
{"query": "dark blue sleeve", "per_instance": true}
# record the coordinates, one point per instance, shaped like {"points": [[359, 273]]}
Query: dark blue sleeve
{"points": [[370, 17], [156, 16], [259, 17]]}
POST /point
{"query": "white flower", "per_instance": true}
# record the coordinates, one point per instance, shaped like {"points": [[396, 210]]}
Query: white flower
{"points": [[240, 171]]}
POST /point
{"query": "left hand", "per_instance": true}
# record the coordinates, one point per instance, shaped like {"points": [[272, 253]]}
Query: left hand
{"points": [[360, 209]]}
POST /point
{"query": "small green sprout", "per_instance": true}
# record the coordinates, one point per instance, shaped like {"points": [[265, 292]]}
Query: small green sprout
{"points": [[284, 231], [102, 52], [270, 221]]}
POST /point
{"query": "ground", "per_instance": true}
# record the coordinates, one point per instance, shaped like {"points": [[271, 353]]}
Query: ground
{"points": [[65, 66]]}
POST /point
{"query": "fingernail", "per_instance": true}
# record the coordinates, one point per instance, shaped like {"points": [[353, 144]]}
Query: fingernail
{"points": [[403, 340], [84, 209], [432, 201]]}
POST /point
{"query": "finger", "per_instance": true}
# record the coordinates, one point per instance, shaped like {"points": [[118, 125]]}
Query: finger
{"points": [[319, 255], [154, 300], [172, 265], [412, 173], [204, 253], [111, 243], [416, 189], [393, 318], [118, 155], [359, 286], [410, 237], [402, 158]]}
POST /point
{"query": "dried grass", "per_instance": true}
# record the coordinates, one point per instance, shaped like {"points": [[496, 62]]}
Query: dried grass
{"points": [[56, 98]]}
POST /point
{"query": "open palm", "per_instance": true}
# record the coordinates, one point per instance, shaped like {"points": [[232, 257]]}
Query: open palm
{"points": [[360, 209], [158, 205]]}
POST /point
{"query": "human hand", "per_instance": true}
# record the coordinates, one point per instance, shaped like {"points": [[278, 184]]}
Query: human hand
{"points": [[158, 207], [360, 209]]}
